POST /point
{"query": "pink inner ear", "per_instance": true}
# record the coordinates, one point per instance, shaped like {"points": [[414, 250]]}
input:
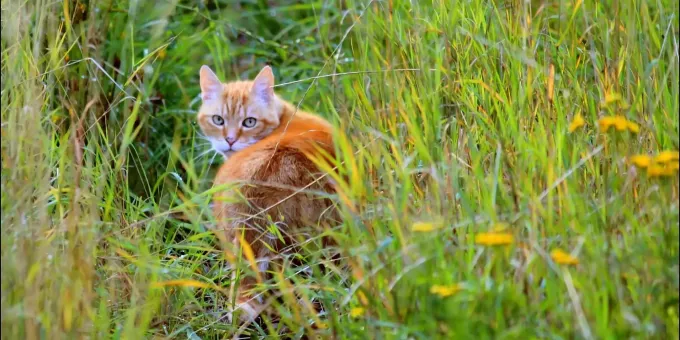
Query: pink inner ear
{"points": [[211, 87], [262, 85], [206, 96], [263, 91], [211, 92]]}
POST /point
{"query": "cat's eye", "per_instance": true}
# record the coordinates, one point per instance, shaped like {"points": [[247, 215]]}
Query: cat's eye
{"points": [[249, 122], [218, 120]]}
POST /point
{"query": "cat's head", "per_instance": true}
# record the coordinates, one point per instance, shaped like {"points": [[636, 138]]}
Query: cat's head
{"points": [[236, 115]]}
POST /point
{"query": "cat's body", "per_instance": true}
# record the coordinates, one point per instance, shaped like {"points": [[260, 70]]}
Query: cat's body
{"points": [[270, 160]]}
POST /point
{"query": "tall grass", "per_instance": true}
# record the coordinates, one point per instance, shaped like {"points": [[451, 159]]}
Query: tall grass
{"points": [[453, 120]]}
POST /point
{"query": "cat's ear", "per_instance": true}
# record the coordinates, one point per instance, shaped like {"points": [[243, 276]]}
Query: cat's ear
{"points": [[211, 87], [263, 86]]}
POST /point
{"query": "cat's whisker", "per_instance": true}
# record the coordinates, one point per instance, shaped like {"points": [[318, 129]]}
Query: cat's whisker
{"points": [[204, 153], [213, 158], [197, 146]]}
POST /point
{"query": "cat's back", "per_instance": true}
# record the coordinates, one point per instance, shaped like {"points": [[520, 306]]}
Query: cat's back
{"points": [[278, 174], [283, 155]]}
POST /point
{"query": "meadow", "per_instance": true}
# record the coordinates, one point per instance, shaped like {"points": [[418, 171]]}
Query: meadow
{"points": [[507, 169]]}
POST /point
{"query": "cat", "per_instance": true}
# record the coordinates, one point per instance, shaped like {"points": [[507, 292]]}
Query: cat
{"points": [[270, 147]]}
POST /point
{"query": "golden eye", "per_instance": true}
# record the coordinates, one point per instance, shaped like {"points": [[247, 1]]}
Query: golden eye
{"points": [[218, 120], [249, 122]]}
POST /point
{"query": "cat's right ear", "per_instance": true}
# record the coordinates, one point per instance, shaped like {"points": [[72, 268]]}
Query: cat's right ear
{"points": [[211, 87]]}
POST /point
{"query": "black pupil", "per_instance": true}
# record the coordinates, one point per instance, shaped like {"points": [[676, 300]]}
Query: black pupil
{"points": [[218, 120], [249, 122]]}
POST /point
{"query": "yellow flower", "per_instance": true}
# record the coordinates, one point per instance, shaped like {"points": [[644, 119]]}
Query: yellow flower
{"points": [[633, 127], [605, 123], [356, 312], [562, 257], [620, 123], [641, 161], [162, 53], [445, 291], [667, 156], [610, 98], [494, 239], [577, 122], [660, 170], [424, 226]]}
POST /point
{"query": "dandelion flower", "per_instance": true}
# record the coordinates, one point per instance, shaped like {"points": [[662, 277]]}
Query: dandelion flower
{"points": [[667, 156], [659, 170], [356, 312], [562, 257], [610, 98], [620, 123], [605, 123], [424, 226], [494, 239], [445, 291], [577, 122], [633, 127], [641, 161]]}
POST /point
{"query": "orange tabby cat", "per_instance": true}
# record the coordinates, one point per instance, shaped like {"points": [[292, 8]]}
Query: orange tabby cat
{"points": [[268, 145]]}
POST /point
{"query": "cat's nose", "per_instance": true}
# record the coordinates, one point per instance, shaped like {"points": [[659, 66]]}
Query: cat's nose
{"points": [[231, 140]]}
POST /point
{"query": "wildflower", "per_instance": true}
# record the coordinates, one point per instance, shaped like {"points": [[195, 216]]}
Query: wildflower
{"points": [[667, 156], [162, 53], [424, 226], [610, 98], [562, 257], [641, 161], [494, 239], [577, 122], [620, 123], [605, 123], [633, 127], [445, 291], [356, 312], [661, 170]]}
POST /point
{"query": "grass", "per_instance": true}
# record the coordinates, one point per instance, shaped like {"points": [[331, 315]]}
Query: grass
{"points": [[453, 121]]}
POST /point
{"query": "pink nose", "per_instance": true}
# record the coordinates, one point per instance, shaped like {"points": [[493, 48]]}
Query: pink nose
{"points": [[231, 140]]}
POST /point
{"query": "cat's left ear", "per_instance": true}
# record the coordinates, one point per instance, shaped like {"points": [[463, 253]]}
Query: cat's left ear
{"points": [[263, 85], [211, 86]]}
